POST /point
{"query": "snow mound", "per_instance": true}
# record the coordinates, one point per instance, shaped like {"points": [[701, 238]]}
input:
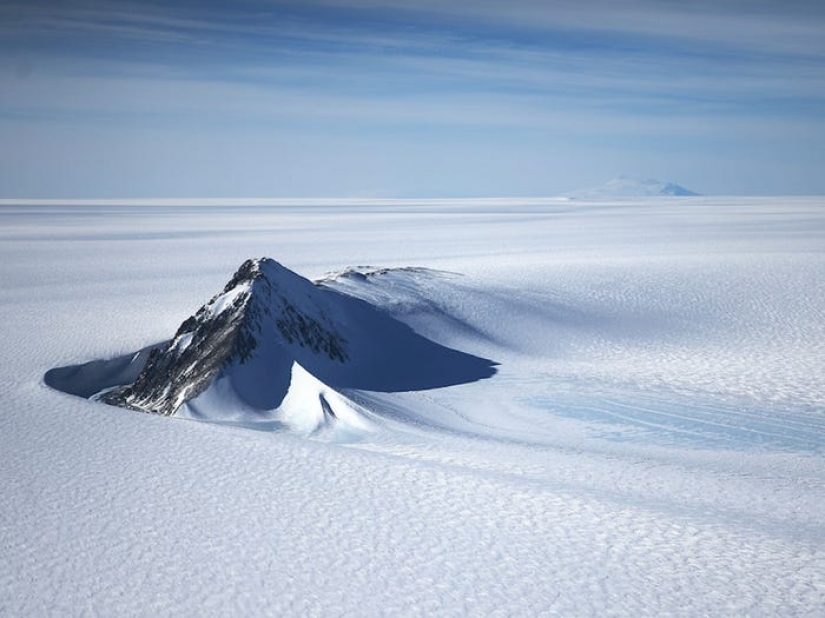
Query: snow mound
{"points": [[309, 408], [632, 187], [275, 350]]}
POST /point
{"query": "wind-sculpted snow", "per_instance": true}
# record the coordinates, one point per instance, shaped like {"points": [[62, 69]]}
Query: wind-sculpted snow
{"points": [[651, 444], [244, 348], [89, 379]]}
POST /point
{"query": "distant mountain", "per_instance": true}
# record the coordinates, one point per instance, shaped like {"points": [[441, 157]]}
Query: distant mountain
{"points": [[276, 350], [632, 187]]}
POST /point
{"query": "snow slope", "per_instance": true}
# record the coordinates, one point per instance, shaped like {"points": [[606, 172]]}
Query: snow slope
{"points": [[652, 443]]}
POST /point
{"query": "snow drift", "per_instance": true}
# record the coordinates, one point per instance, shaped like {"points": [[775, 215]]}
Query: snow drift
{"points": [[274, 348]]}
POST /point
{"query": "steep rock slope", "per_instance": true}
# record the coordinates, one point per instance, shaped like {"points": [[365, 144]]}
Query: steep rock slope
{"points": [[264, 306]]}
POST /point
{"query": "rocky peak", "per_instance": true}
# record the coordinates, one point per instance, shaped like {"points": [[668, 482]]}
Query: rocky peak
{"points": [[264, 304]]}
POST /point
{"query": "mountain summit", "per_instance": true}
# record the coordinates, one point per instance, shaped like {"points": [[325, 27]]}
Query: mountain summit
{"points": [[275, 347], [262, 315], [632, 187]]}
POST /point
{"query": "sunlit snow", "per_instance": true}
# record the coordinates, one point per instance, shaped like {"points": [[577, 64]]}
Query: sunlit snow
{"points": [[652, 442]]}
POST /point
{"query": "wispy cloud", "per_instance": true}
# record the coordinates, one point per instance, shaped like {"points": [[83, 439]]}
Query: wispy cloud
{"points": [[481, 70]]}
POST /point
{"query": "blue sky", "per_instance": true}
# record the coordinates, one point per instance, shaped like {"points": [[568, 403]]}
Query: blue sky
{"points": [[383, 98]]}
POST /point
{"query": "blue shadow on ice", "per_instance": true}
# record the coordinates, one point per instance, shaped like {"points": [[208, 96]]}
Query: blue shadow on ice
{"points": [[671, 419]]}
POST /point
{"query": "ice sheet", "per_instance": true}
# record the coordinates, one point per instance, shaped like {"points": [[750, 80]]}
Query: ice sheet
{"points": [[651, 444]]}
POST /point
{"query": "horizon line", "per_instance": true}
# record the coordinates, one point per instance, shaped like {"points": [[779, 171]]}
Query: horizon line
{"points": [[354, 201]]}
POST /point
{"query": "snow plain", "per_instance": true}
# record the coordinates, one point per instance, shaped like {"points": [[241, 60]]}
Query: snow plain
{"points": [[653, 442]]}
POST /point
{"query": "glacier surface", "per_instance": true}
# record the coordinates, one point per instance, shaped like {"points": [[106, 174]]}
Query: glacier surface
{"points": [[652, 442]]}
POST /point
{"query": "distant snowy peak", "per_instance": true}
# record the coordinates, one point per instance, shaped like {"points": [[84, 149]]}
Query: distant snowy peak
{"points": [[631, 187]]}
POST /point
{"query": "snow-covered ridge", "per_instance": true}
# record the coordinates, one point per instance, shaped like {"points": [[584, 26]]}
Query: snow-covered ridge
{"points": [[275, 348], [632, 187], [226, 331]]}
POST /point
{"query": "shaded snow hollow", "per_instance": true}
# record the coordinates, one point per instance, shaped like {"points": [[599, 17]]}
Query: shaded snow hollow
{"points": [[274, 349]]}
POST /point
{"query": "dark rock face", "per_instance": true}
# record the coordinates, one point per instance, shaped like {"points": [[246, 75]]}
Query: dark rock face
{"points": [[228, 330], [173, 375]]}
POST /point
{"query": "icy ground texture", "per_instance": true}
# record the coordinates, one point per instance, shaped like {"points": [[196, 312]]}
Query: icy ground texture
{"points": [[652, 444]]}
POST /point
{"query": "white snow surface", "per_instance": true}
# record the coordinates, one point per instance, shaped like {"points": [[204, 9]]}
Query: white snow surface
{"points": [[653, 442], [220, 303], [310, 408]]}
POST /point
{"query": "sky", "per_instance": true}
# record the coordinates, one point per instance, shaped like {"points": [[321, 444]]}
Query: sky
{"points": [[425, 98]]}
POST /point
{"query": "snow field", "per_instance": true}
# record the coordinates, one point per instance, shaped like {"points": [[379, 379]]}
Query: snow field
{"points": [[207, 518], [651, 445]]}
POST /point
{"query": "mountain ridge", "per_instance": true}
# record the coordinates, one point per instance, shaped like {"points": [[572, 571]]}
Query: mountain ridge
{"points": [[277, 350], [624, 186], [227, 330]]}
